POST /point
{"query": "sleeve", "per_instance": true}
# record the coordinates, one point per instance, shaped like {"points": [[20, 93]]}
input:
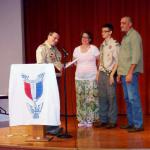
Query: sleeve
{"points": [[135, 48], [100, 49], [96, 51], [40, 56], [58, 65], [75, 53]]}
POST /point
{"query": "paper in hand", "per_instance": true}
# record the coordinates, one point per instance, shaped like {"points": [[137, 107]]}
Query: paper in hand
{"points": [[71, 63]]}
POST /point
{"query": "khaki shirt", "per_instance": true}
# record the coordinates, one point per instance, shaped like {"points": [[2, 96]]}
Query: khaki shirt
{"points": [[131, 52], [43, 55], [108, 55]]}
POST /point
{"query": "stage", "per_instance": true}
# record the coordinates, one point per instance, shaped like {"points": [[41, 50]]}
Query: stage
{"points": [[83, 138]]}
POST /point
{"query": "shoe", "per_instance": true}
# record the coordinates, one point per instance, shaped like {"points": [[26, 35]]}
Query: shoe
{"points": [[81, 124], [88, 124], [55, 131], [111, 125], [126, 126], [95, 123], [135, 129], [100, 125]]}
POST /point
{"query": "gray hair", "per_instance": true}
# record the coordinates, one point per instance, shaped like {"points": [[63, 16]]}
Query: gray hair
{"points": [[129, 19]]}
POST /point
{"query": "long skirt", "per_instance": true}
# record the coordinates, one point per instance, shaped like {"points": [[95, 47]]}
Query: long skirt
{"points": [[87, 100]]}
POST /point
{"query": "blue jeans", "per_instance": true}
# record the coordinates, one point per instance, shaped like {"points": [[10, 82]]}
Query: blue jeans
{"points": [[133, 102]]}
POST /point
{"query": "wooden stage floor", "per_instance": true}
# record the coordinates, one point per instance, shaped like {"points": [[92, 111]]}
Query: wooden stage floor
{"points": [[83, 138]]}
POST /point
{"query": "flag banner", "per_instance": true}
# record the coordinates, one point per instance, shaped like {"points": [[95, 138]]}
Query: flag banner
{"points": [[33, 95]]}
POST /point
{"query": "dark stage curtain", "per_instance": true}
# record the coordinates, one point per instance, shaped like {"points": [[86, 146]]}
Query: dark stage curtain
{"points": [[70, 18]]}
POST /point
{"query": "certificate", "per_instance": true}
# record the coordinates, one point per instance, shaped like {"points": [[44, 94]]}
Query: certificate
{"points": [[71, 63]]}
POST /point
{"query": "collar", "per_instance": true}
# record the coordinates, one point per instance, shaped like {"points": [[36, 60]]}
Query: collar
{"points": [[131, 29], [109, 41], [48, 45]]}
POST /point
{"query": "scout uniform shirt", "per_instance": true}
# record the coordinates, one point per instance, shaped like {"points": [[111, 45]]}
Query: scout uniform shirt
{"points": [[108, 55], [44, 52]]}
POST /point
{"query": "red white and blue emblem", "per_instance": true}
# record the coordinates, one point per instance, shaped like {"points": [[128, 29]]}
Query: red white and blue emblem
{"points": [[34, 90]]}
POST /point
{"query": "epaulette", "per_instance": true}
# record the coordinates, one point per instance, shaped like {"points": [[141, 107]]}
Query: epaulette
{"points": [[44, 45], [116, 43]]}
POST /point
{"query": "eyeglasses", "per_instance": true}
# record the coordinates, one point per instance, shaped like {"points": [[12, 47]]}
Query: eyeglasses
{"points": [[105, 31], [85, 37]]}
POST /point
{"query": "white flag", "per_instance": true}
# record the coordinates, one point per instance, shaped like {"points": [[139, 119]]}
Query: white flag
{"points": [[33, 95]]}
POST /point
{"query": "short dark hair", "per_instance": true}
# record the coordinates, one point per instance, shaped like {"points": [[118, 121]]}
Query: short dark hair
{"points": [[109, 26], [89, 35]]}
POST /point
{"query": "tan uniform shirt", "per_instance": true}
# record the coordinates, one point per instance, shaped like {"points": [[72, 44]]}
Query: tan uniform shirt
{"points": [[44, 52], [108, 55]]}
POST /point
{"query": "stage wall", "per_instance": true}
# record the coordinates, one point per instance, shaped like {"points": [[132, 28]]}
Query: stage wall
{"points": [[70, 18]]}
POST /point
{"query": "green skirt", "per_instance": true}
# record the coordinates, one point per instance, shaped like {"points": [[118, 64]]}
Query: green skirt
{"points": [[87, 100]]}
